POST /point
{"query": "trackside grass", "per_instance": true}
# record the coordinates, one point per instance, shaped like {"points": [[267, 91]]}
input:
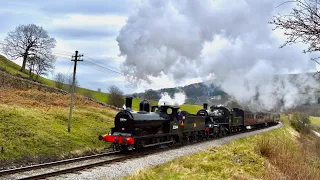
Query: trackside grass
{"points": [[278, 154], [33, 126], [315, 121]]}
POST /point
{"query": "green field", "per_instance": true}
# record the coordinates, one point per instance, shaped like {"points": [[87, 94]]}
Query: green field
{"points": [[191, 108], [315, 121]]}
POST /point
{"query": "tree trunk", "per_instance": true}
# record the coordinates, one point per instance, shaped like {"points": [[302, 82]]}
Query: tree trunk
{"points": [[23, 67], [37, 77], [30, 73]]}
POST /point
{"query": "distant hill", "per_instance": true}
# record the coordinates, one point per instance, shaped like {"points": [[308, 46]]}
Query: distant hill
{"points": [[199, 93]]}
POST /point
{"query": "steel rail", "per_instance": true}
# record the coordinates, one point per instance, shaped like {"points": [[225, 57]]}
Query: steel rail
{"points": [[78, 168], [55, 163]]}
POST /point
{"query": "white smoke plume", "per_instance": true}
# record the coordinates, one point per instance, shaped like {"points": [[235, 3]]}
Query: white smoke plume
{"points": [[178, 99], [229, 40]]}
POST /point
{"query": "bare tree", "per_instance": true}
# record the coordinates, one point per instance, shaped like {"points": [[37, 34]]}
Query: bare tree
{"points": [[115, 97], [44, 65], [27, 40], [31, 65], [68, 82], [59, 80], [302, 24], [40, 65]]}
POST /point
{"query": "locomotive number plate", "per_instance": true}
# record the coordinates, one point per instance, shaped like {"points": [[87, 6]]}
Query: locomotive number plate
{"points": [[175, 127], [123, 119]]}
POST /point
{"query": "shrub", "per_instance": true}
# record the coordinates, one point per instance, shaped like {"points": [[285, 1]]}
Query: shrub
{"points": [[290, 159], [300, 122], [115, 97]]}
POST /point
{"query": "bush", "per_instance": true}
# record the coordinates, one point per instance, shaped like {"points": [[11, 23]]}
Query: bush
{"points": [[115, 97], [300, 122], [88, 94], [289, 159], [59, 80]]}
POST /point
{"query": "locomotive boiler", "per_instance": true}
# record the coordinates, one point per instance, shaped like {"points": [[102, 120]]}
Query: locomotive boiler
{"points": [[143, 121]]}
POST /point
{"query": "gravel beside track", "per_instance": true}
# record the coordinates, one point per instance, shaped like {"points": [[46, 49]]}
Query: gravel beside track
{"points": [[124, 168]]}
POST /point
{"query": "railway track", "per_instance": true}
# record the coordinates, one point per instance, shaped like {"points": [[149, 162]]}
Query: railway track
{"points": [[49, 170], [22, 172]]}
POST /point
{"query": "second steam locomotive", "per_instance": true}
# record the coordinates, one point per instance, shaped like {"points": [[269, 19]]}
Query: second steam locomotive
{"points": [[163, 125]]}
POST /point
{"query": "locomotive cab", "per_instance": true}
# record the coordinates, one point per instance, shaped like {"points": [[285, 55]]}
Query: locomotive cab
{"points": [[165, 110]]}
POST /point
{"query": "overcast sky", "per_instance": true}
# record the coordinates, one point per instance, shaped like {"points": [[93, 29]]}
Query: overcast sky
{"points": [[186, 33]]}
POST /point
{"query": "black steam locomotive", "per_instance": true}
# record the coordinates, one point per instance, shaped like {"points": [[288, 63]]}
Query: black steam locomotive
{"points": [[160, 125]]}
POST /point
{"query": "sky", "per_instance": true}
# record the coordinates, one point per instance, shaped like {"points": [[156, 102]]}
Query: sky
{"points": [[158, 43]]}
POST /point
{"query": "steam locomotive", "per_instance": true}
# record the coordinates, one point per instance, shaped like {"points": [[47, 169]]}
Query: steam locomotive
{"points": [[160, 125]]}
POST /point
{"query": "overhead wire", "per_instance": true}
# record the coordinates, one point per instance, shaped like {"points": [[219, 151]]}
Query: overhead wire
{"points": [[100, 69], [92, 63], [89, 59], [103, 67]]}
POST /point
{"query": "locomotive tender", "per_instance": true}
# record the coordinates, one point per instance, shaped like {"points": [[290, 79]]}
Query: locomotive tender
{"points": [[160, 125]]}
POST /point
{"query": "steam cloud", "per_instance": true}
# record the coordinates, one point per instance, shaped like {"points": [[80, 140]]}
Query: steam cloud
{"points": [[178, 100], [228, 40]]}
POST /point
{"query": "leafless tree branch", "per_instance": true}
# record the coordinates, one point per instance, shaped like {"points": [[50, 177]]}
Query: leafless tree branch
{"points": [[27, 40]]}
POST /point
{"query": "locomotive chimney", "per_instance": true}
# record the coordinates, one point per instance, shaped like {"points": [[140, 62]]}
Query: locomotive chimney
{"points": [[205, 106], [144, 106], [128, 102]]}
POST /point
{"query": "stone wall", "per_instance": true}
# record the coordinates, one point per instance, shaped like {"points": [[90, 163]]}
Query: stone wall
{"points": [[9, 81]]}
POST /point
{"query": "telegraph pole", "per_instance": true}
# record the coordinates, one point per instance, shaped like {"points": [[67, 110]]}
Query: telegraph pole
{"points": [[76, 59]]}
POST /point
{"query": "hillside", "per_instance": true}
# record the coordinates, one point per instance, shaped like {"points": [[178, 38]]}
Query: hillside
{"points": [[13, 69], [33, 126]]}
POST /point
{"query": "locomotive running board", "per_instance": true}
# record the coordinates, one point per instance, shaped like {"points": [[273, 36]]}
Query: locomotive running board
{"points": [[155, 144]]}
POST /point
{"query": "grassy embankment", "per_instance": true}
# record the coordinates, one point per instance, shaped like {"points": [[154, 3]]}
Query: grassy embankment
{"points": [[315, 122], [33, 126], [280, 154], [13, 68]]}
